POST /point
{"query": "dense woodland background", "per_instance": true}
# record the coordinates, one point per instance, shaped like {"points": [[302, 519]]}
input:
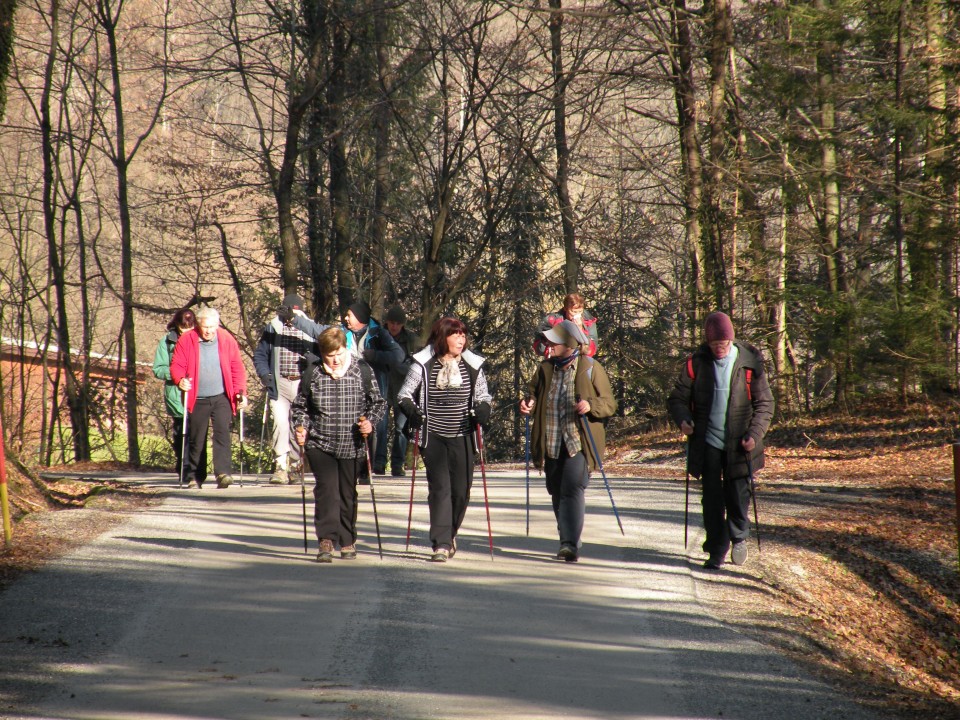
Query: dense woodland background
{"points": [[793, 163]]}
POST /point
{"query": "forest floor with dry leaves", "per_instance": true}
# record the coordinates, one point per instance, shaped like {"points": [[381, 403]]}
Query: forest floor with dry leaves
{"points": [[857, 577]]}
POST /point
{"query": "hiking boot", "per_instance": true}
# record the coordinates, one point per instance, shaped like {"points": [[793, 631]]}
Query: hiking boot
{"points": [[280, 477], [326, 551], [224, 480], [440, 555], [348, 552], [567, 553], [739, 553], [714, 561], [380, 470], [398, 472]]}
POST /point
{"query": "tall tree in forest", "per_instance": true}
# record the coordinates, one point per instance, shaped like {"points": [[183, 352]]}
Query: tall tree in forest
{"points": [[571, 267], [8, 9], [108, 17]]}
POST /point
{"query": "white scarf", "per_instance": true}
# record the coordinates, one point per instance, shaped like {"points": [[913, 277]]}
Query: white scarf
{"points": [[337, 374], [449, 376]]}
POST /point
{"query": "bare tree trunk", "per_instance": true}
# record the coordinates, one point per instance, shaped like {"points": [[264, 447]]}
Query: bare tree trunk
{"points": [[381, 187], [76, 397], [341, 236], [108, 20], [721, 40], [571, 267], [686, 99]]}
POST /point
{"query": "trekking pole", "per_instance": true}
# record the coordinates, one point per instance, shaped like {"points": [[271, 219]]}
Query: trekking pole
{"points": [[263, 433], [238, 398], [753, 494], [303, 493], [183, 440], [596, 454], [686, 501], [413, 480], [373, 495], [526, 434], [483, 474]]}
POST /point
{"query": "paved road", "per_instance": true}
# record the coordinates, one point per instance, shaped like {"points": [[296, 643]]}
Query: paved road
{"points": [[207, 607]]}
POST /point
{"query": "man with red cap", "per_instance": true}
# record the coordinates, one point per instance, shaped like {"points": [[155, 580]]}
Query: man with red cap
{"points": [[722, 402]]}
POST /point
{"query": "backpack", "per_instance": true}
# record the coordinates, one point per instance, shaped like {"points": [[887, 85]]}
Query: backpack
{"points": [[366, 373], [748, 372]]}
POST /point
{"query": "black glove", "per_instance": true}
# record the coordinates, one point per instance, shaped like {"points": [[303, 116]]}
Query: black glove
{"points": [[369, 354], [414, 416], [285, 314], [481, 411]]}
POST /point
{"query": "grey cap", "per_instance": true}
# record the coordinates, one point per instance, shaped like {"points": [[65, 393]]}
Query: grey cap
{"points": [[566, 333]]}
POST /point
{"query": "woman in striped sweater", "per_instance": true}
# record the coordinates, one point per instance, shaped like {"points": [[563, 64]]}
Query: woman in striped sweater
{"points": [[445, 397]]}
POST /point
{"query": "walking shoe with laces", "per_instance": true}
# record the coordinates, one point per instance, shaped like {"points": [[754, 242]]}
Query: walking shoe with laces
{"points": [[326, 551], [440, 555], [348, 552], [567, 554], [279, 477], [739, 552], [224, 481]]}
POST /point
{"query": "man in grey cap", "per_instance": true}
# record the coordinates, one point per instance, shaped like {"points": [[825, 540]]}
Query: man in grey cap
{"points": [[569, 390], [278, 361]]}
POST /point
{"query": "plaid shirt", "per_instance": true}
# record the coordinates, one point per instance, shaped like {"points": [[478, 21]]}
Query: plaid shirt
{"points": [[331, 411], [292, 345], [561, 417]]}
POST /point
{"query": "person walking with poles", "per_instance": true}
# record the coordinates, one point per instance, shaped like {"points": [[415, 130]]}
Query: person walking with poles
{"points": [[368, 340], [278, 360], [182, 321], [445, 396], [568, 396], [208, 367], [395, 321], [722, 402], [337, 406]]}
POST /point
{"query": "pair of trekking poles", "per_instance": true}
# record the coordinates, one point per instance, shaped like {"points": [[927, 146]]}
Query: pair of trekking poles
{"points": [[483, 474], [593, 445], [183, 441], [753, 495]]}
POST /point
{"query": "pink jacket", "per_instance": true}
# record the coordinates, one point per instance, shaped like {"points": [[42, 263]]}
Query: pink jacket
{"points": [[186, 363]]}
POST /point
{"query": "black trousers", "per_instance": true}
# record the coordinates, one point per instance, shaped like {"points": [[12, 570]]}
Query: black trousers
{"points": [[567, 479], [335, 496], [177, 423], [210, 411], [726, 504], [449, 462]]}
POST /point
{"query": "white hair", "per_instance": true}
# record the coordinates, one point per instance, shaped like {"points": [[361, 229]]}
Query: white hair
{"points": [[208, 312]]}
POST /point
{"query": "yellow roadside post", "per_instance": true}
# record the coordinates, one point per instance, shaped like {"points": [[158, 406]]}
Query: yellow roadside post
{"points": [[4, 501]]}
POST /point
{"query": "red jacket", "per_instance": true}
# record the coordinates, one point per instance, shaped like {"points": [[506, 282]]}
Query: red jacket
{"points": [[186, 363]]}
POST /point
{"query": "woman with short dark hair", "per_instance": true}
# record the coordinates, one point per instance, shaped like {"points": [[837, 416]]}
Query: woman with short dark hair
{"points": [[445, 396]]}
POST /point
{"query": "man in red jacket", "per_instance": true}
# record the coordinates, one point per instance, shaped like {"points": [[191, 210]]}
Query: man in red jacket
{"points": [[207, 366]]}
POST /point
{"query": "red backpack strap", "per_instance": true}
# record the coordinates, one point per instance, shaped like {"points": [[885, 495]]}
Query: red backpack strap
{"points": [[749, 372], [690, 373]]}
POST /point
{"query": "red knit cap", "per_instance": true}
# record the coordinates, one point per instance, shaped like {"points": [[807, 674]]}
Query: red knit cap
{"points": [[718, 327]]}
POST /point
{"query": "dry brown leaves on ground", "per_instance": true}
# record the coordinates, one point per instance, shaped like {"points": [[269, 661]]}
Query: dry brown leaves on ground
{"points": [[858, 575]]}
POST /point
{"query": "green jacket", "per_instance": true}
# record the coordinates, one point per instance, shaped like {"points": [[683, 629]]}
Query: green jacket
{"points": [[172, 395], [591, 384]]}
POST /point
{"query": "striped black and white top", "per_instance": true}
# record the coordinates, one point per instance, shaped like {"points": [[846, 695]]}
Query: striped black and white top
{"points": [[448, 411]]}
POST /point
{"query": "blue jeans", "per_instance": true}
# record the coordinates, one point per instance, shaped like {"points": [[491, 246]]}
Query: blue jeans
{"points": [[398, 453], [567, 479]]}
